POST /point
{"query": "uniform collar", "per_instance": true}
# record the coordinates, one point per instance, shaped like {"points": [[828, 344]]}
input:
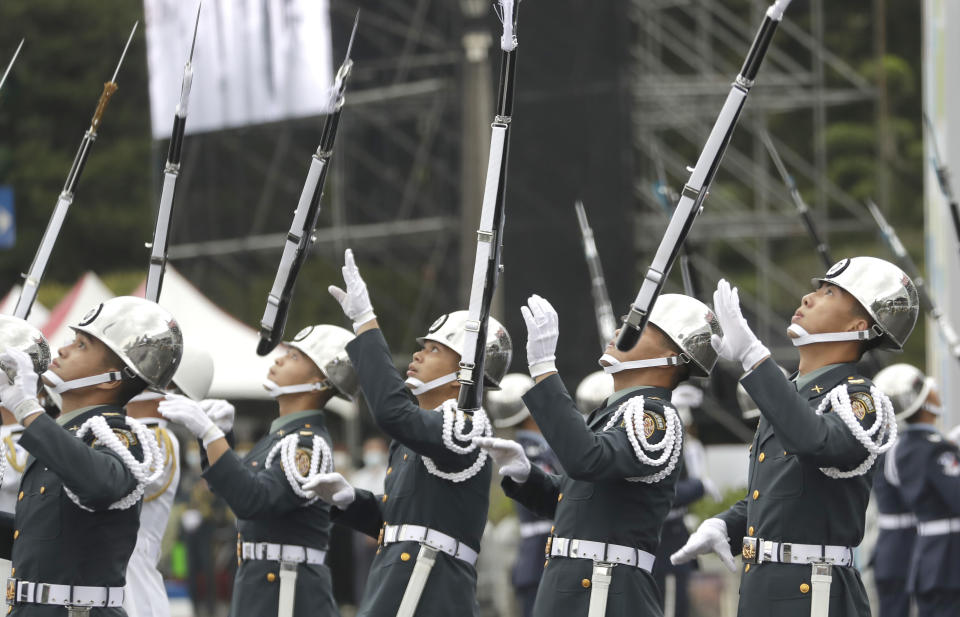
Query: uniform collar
{"points": [[818, 382], [79, 416], [297, 416], [921, 427], [646, 391]]}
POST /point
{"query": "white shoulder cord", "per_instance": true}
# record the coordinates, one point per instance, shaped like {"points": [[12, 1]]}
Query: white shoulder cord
{"points": [[884, 427], [454, 421], [3, 460], [145, 472], [672, 443], [321, 461]]}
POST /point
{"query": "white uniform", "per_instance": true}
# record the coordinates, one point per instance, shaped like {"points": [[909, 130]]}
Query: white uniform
{"points": [[145, 594], [16, 461]]}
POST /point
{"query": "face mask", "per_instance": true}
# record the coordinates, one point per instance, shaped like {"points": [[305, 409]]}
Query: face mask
{"points": [[373, 458]]}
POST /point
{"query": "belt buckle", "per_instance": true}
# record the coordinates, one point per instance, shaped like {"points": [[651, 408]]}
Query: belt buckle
{"points": [[11, 591], [749, 550]]}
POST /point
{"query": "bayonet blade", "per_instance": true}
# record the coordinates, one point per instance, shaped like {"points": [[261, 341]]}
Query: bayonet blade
{"points": [[196, 27], [124, 54], [12, 60], [353, 34]]}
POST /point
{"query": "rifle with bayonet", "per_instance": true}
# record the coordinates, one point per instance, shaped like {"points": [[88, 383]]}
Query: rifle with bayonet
{"points": [[171, 171], [10, 65], [606, 322], [823, 250], [32, 279], [666, 196], [300, 235], [943, 178], [486, 268], [695, 191], [907, 265]]}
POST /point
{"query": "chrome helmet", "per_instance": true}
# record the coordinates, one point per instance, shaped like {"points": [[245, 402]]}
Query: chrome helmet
{"points": [[887, 294], [748, 408], [15, 332], [326, 346], [450, 330], [194, 376], [689, 323], [594, 390], [144, 335], [907, 387], [505, 406]]}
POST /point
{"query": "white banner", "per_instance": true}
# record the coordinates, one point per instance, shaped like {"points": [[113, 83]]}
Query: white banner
{"points": [[941, 91], [256, 61]]}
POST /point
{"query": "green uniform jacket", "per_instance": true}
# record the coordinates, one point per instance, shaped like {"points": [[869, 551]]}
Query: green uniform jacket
{"points": [[414, 496], [56, 541], [268, 510], [790, 500], [594, 501]]}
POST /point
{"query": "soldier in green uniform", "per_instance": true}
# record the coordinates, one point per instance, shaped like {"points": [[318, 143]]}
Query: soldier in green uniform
{"points": [[620, 467], [812, 459], [283, 533], [434, 508], [78, 507]]}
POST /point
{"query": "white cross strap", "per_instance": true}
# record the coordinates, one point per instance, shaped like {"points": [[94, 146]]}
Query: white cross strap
{"points": [[756, 550], [431, 538], [290, 553], [601, 552], [25, 592], [896, 521], [940, 527]]}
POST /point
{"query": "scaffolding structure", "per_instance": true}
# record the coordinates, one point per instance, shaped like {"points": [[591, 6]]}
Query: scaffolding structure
{"points": [[685, 54]]}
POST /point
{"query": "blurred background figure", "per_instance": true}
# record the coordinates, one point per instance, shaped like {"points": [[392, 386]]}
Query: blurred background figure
{"points": [[369, 477]]}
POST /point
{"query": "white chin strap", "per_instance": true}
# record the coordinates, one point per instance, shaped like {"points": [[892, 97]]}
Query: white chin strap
{"points": [[802, 337], [615, 366], [146, 395], [934, 409], [274, 390], [60, 386], [418, 387]]}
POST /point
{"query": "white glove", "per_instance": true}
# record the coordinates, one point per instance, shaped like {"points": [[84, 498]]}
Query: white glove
{"points": [[332, 488], [20, 397], [543, 330], [220, 411], [508, 455], [191, 416], [355, 301], [738, 343], [710, 536]]}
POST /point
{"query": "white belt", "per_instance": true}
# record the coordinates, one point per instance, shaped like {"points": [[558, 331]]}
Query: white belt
{"points": [[896, 521], [601, 552], [431, 538], [756, 550], [535, 528], [62, 595], [939, 527], [290, 553]]}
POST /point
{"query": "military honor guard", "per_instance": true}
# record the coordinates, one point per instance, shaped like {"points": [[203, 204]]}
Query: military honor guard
{"points": [[78, 507], [923, 471], [620, 466], [812, 459], [146, 594], [506, 409], [431, 517], [283, 532]]}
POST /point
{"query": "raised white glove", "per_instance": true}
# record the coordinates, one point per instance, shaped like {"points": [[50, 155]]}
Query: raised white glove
{"points": [[332, 488], [508, 455], [220, 411], [190, 415], [710, 537], [20, 397], [738, 343], [543, 330], [355, 301]]}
